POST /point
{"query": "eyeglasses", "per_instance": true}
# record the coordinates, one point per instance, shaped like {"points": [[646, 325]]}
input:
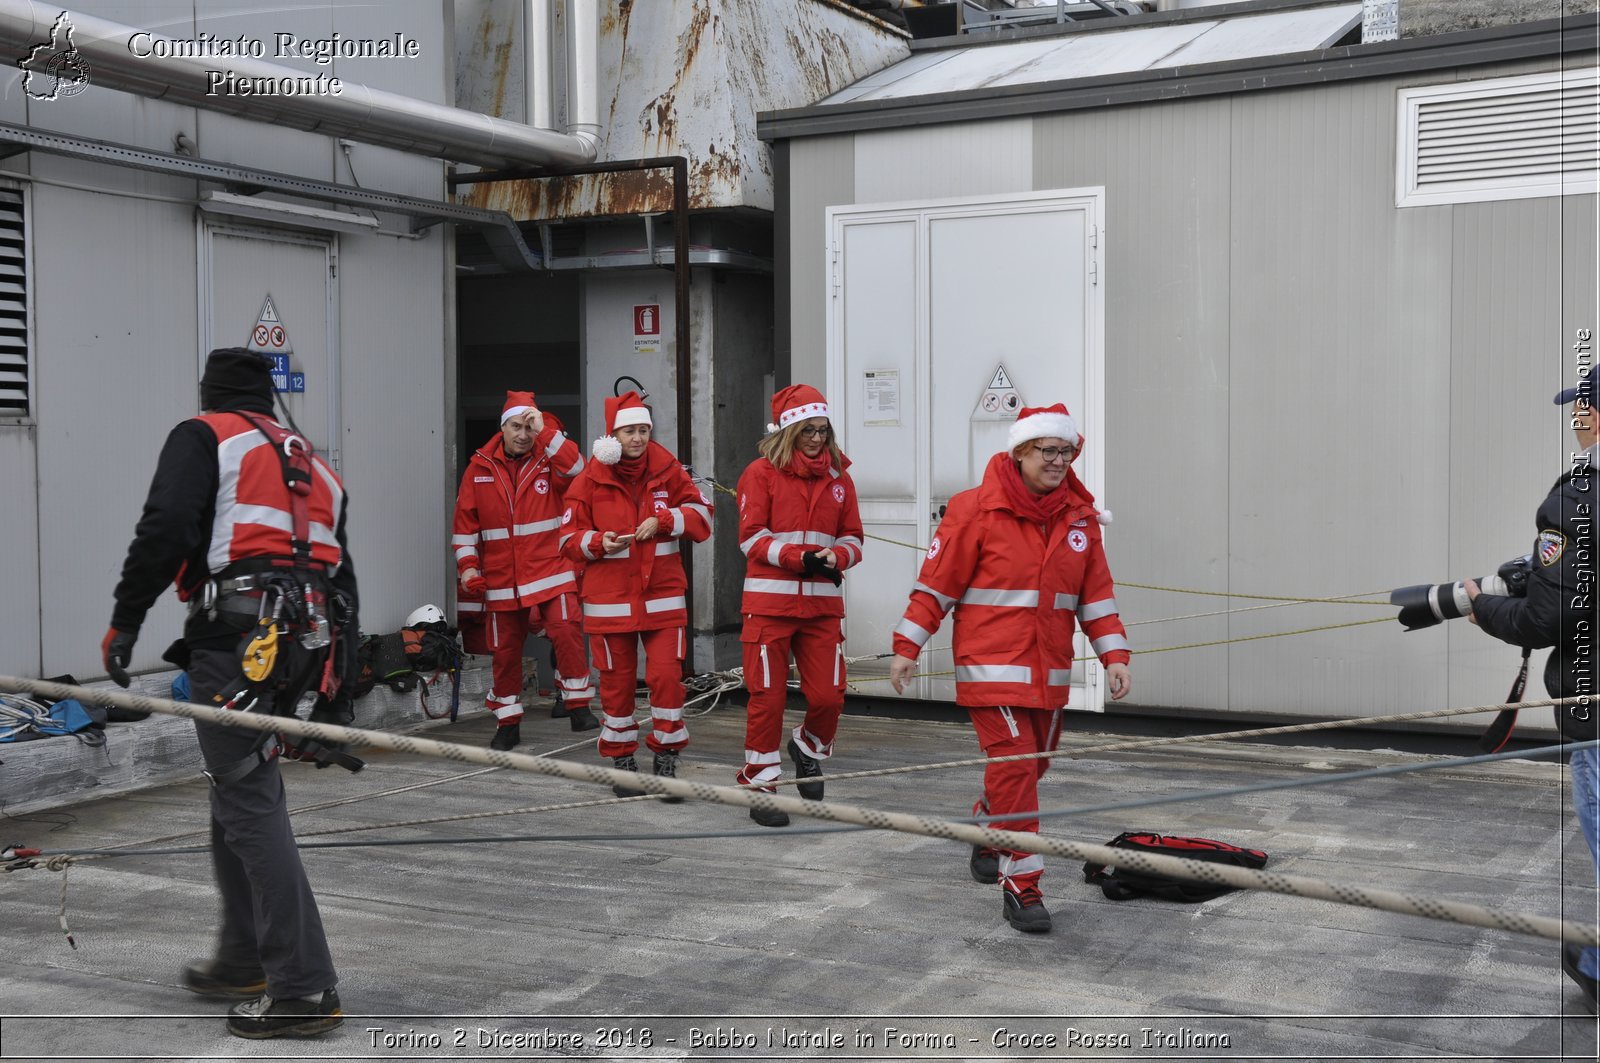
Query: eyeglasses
{"points": [[813, 432], [1055, 454]]}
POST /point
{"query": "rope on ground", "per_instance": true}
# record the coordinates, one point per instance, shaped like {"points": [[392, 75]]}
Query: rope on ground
{"points": [[926, 826]]}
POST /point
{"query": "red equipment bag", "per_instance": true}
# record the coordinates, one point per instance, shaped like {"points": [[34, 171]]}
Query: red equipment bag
{"points": [[1120, 884]]}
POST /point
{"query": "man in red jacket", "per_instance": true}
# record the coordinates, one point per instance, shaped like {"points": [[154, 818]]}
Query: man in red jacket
{"points": [[1020, 560], [508, 556]]}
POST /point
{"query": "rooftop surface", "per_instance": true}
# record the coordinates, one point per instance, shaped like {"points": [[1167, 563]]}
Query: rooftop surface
{"points": [[622, 937]]}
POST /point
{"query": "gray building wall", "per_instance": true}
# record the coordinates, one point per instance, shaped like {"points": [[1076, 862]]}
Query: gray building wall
{"points": [[1310, 392], [117, 337]]}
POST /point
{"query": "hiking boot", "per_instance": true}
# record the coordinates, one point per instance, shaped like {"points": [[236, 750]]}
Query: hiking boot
{"points": [[667, 767], [1570, 955], [558, 708], [270, 1017], [1027, 914], [625, 764], [213, 978], [806, 767], [506, 736], [777, 817], [984, 865], [582, 719]]}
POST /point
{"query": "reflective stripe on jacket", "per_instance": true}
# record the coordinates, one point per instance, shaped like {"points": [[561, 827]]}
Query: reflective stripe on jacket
{"points": [[508, 519], [641, 587], [781, 517], [254, 518], [1018, 594]]}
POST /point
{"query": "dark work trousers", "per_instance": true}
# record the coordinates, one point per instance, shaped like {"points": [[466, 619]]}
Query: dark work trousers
{"points": [[269, 915]]}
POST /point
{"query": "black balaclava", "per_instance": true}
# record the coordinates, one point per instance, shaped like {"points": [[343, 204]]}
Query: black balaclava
{"points": [[236, 379]]}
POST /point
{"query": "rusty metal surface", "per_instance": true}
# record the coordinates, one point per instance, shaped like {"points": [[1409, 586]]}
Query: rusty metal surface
{"points": [[688, 77]]}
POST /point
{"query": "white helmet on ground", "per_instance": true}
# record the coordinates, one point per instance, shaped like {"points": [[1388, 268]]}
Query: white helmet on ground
{"points": [[425, 614]]}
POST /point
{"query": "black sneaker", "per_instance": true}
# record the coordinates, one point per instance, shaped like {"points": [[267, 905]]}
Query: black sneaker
{"points": [[558, 707], [625, 764], [269, 1017], [984, 865], [667, 767], [582, 719], [506, 736], [806, 767], [1570, 954], [1029, 916], [213, 978]]}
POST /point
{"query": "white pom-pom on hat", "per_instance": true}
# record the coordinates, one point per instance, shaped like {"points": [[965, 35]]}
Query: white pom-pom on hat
{"points": [[1103, 516], [607, 450], [771, 428]]}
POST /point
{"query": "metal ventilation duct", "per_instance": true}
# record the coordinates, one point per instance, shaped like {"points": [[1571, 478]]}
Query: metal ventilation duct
{"points": [[359, 113]]}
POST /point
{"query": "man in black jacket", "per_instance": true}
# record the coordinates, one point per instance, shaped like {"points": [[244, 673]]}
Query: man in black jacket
{"points": [[243, 516], [1559, 611]]}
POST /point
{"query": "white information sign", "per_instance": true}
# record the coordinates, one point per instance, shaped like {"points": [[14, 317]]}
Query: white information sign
{"points": [[882, 397]]}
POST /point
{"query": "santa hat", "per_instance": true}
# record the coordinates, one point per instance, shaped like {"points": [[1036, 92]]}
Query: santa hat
{"points": [[1044, 422], [621, 411], [797, 402], [517, 404], [1049, 422]]}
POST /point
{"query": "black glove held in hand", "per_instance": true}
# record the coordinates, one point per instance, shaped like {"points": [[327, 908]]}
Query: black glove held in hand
{"points": [[815, 567]]}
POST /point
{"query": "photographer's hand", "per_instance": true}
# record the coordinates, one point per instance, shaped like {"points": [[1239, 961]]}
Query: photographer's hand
{"points": [[1471, 587]]}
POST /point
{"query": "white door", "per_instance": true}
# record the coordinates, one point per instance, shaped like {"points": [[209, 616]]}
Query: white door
{"points": [[240, 267], [928, 302]]}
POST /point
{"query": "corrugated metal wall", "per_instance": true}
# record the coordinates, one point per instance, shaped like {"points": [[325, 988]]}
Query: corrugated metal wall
{"points": [[1310, 392], [117, 337]]}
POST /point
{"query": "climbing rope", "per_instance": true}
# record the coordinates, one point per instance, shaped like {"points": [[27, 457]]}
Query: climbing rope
{"points": [[927, 826]]}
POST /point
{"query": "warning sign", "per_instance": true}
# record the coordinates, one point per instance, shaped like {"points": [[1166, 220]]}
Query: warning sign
{"points": [[1000, 401], [270, 338]]}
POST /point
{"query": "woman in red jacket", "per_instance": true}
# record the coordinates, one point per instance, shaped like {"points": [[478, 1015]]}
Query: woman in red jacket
{"points": [[1020, 559], [625, 517], [508, 516], [799, 528]]}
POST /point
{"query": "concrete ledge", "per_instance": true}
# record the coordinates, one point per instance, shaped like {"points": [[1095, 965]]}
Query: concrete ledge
{"points": [[48, 772]]}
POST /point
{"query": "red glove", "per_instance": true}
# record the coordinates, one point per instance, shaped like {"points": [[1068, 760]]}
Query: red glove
{"points": [[475, 586]]}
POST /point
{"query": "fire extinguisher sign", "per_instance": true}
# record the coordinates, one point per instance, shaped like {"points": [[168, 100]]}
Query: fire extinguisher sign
{"points": [[646, 328]]}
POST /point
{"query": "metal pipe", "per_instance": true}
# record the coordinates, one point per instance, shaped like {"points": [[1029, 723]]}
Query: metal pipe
{"points": [[680, 276], [583, 73], [360, 113], [537, 56]]}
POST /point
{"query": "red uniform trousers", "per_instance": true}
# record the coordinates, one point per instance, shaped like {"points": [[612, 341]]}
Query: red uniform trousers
{"points": [[508, 630], [1014, 787], [616, 654], [818, 647]]}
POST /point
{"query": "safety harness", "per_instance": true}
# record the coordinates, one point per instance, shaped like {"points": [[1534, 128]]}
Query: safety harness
{"points": [[297, 618]]}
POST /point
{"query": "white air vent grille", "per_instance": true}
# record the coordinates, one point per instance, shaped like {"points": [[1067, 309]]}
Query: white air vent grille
{"points": [[14, 361], [1506, 138]]}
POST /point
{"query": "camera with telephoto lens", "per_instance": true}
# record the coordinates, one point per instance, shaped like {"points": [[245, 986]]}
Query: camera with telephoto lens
{"points": [[1428, 604]]}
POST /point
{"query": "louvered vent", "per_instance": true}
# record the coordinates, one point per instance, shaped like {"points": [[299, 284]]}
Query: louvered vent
{"points": [[13, 304], [1507, 138]]}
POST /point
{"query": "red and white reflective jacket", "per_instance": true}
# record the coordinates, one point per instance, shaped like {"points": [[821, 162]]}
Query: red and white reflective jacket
{"points": [[642, 586], [1018, 592], [781, 516], [254, 518], [508, 520]]}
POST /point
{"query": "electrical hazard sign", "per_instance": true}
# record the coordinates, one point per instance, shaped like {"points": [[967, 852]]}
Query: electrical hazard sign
{"points": [[1000, 401], [269, 337]]}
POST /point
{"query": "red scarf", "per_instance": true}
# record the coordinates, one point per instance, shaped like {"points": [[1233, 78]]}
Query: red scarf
{"points": [[1041, 509], [632, 470], [808, 468]]}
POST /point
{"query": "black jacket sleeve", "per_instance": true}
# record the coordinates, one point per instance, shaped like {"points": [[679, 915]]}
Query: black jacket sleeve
{"points": [[175, 525], [1546, 613]]}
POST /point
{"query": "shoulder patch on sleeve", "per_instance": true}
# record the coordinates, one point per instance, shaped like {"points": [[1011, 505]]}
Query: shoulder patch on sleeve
{"points": [[1550, 546]]}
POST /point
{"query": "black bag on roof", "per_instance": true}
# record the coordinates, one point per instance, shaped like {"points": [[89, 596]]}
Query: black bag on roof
{"points": [[1120, 883]]}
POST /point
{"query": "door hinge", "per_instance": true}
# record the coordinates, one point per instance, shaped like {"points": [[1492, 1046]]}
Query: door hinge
{"points": [[833, 270], [1094, 270]]}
